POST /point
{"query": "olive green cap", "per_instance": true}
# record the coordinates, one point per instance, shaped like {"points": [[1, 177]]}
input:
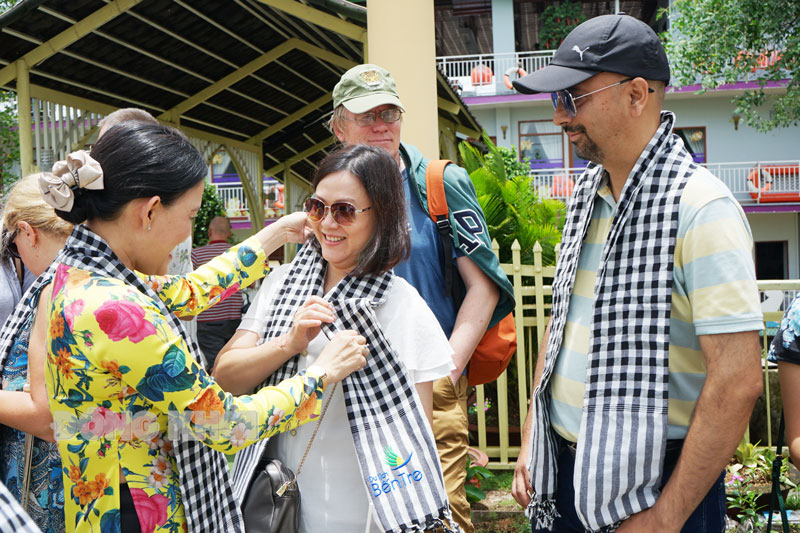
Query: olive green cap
{"points": [[366, 87]]}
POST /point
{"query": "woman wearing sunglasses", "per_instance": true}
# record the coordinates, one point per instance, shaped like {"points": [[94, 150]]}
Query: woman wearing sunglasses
{"points": [[15, 278], [33, 233], [376, 430]]}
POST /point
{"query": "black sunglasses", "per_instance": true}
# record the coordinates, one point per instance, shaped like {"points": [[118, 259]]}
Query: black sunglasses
{"points": [[343, 213], [11, 246], [568, 101]]}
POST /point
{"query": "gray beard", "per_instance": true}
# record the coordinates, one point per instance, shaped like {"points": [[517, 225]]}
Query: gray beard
{"points": [[589, 150]]}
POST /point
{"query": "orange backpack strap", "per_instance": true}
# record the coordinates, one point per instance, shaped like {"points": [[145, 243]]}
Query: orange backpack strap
{"points": [[439, 213], [434, 185]]}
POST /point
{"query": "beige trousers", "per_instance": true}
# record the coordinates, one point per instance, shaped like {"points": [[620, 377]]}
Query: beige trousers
{"points": [[452, 441]]}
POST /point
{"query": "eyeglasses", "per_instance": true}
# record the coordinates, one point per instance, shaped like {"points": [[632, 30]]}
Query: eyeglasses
{"points": [[368, 119], [568, 101], [343, 213], [10, 245]]}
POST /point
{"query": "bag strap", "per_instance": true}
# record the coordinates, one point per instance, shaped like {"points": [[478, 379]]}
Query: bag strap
{"points": [[293, 481], [26, 476], [439, 213], [776, 482], [20, 271]]}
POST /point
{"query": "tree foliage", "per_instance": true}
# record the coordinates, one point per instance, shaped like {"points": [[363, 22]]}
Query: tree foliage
{"points": [[719, 42], [9, 139], [511, 205], [9, 136], [557, 21], [209, 208]]}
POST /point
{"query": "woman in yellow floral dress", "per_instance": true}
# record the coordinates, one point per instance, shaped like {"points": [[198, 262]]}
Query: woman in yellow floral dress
{"points": [[130, 402]]}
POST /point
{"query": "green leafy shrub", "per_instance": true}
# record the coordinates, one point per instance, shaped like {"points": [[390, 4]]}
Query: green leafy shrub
{"points": [[210, 208], [511, 205], [475, 474]]}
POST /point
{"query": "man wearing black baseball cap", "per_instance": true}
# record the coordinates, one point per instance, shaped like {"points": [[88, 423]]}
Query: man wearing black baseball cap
{"points": [[655, 308]]}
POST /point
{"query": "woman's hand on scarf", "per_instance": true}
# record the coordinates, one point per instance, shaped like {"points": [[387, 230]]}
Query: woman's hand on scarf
{"points": [[307, 322], [345, 353]]}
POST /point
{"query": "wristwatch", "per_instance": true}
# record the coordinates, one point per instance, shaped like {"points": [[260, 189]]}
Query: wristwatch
{"points": [[323, 374]]}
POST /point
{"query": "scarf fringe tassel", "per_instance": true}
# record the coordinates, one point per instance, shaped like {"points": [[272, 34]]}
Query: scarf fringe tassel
{"points": [[542, 513]]}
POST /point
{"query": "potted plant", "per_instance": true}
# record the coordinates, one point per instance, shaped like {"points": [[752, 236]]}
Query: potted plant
{"points": [[748, 483]]}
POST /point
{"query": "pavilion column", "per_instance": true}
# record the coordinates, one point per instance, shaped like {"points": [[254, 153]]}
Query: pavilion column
{"points": [[289, 249], [24, 110], [401, 39]]}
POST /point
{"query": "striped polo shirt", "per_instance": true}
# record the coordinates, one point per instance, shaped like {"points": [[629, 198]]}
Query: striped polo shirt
{"points": [[231, 307], [714, 292]]}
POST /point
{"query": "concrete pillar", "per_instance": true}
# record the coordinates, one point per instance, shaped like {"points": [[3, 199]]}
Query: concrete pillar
{"points": [[503, 26], [503, 44], [25, 126], [401, 39], [289, 249]]}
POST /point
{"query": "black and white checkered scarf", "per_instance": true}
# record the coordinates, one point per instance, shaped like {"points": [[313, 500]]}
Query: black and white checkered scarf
{"points": [[12, 516], [383, 407], [623, 429], [206, 488]]}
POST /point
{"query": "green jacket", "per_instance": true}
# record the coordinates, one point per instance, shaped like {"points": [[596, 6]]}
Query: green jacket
{"points": [[469, 234]]}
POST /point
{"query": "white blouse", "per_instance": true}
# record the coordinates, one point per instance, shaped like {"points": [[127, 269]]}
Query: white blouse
{"points": [[333, 491]]}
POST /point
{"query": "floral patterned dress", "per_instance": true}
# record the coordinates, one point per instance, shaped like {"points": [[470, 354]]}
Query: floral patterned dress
{"points": [[786, 343], [121, 382]]}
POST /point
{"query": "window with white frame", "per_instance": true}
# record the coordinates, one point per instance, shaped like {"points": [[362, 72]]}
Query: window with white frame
{"points": [[542, 143]]}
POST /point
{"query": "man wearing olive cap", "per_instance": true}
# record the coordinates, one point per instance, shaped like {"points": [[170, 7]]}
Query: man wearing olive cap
{"points": [[655, 308], [368, 110]]}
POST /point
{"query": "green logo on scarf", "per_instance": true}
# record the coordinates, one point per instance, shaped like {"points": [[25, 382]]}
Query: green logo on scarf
{"points": [[393, 460]]}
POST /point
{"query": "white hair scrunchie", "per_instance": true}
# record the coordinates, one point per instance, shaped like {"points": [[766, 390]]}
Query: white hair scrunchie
{"points": [[80, 170]]}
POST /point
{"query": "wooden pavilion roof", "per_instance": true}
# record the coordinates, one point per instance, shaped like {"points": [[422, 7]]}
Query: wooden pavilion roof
{"points": [[257, 72]]}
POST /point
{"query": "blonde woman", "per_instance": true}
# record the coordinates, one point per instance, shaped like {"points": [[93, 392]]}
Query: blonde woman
{"points": [[32, 232]]}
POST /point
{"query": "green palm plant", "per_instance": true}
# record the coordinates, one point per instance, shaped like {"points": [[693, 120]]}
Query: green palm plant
{"points": [[512, 207]]}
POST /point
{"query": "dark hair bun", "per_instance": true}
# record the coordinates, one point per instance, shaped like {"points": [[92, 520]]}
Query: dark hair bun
{"points": [[80, 208], [139, 160]]}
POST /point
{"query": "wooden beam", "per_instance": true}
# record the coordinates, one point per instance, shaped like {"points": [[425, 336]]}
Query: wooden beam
{"points": [[319, 18], [449, 106], [325, 55], [456, 127], [232, 78], [88, 135], [301, 155], [69, 36], [96, 107], [469, 132], [24, 114], [303, 111], [113, 39]]}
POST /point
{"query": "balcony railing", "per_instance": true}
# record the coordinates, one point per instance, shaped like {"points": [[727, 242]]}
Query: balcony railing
{"points": [[482, 75], [751, 182], [235, 202]]}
